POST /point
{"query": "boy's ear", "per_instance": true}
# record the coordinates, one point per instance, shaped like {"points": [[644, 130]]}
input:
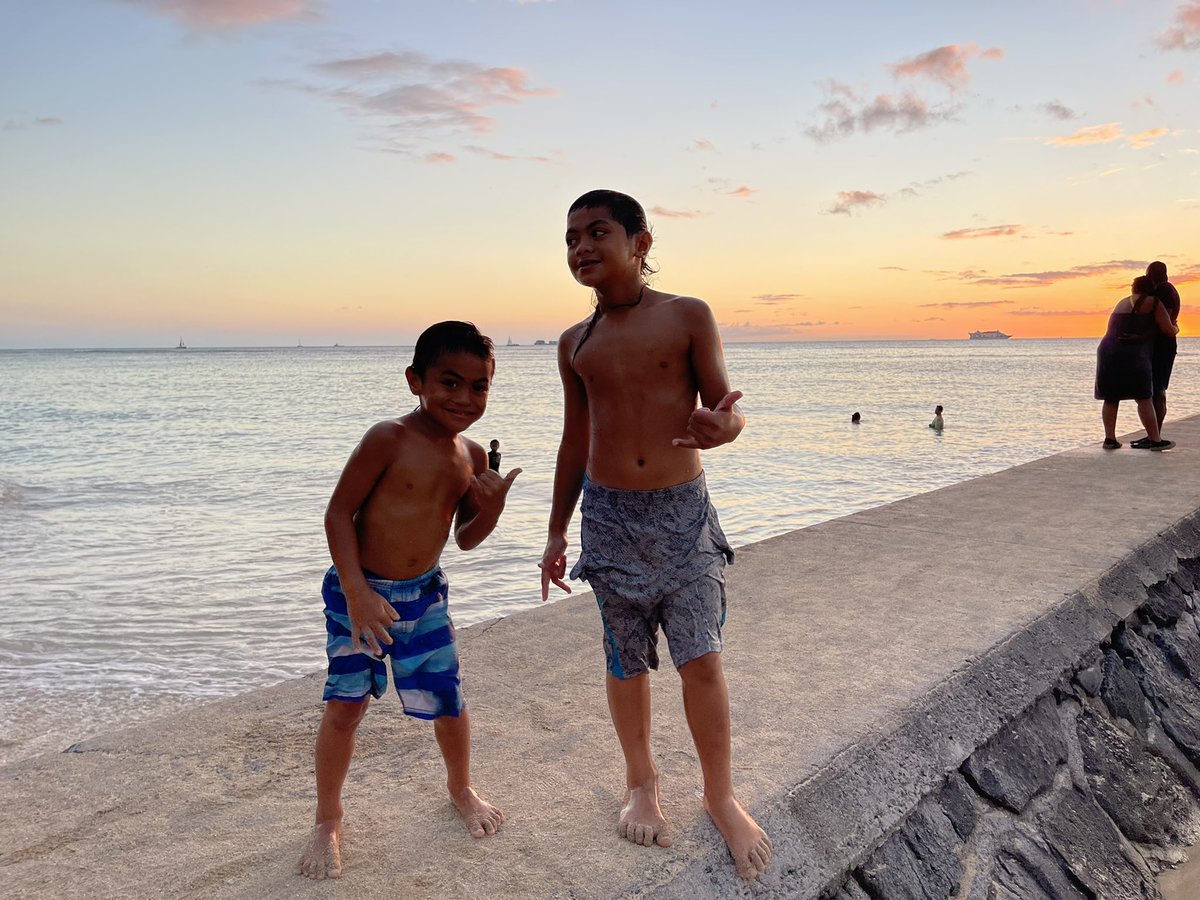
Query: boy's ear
{"points": [[414, 380], [643, 243]]}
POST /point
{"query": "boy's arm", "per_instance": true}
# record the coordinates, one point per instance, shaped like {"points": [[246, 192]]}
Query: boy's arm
{"points": [[480, 507], [569, 468], [370, 614], [717, 420]]}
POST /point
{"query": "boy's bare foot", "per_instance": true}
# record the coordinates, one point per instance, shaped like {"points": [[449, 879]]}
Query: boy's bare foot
{"points": [[322, 858], [480, 817], [748, 844], [642, 821]]}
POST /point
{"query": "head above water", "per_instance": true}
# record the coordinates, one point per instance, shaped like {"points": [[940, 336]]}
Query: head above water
{"points": [[1157, 272], [855, 417], [451, 337], [623, 209], [495, 444], [937, 410], [1143, 285]]}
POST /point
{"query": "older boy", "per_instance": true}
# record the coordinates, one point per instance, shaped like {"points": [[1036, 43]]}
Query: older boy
{"points": [[653, 550], [388, 520]]}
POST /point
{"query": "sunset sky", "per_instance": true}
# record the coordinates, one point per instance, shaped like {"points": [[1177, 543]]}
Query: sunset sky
{"points": [[263, 172]]}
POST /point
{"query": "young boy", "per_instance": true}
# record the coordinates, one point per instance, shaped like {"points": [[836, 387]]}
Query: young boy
{"points": [[494, 455], [389, 517], [938, 422], [653, 550]]}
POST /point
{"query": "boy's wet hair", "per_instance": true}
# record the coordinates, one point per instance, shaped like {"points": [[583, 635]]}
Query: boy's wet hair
{"points": [[627, 212], [450, 337], [629, 215]]}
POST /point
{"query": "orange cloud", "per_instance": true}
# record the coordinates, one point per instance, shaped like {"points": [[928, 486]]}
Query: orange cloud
{"points": [[1184, 33], [1146, 138], [218, 14], [946, 65], [848, 201], [1092, 134], [1176, 76], [439, 157], [676, 213], [991, 231], [743, 191]]}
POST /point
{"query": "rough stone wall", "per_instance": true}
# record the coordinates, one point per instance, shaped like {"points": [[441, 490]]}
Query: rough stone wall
{"points": [[1088, 793]]}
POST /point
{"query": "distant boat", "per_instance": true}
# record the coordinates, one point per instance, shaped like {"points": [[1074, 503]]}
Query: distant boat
{"points": [[510, 343], [182, 345], [989, 336]]}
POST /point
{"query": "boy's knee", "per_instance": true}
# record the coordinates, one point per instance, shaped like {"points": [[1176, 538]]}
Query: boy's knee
{"points": [[345, 714], [704, 668]]}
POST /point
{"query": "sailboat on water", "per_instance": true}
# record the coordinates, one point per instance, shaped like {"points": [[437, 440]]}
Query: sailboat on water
{"points": [[182, 345]]}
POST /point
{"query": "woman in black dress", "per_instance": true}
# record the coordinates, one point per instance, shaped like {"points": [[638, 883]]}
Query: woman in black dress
{"points": [[1123, 362]]}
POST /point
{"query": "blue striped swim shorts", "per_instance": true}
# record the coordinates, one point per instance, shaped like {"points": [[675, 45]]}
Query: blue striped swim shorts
{"points": [[423, 653]]}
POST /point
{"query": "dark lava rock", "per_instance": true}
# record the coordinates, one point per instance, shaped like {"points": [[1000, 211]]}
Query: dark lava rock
{"points": [[1021, 760], [920, 861]]}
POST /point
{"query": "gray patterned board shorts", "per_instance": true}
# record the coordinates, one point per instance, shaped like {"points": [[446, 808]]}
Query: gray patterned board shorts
{"points": [[654, 558]]}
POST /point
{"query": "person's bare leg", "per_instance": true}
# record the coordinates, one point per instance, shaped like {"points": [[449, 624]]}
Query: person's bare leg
{"points": [[1160, 410], [641, 820], [1108, 414], [1145, 410], [322, 856], [454, 737], [706, 702]]}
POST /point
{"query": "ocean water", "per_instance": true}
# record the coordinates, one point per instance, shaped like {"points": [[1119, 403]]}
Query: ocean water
{"points": [[161, 511]]}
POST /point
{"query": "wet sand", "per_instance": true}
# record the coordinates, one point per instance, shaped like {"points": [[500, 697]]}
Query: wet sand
{"points": [[1182, 882]]}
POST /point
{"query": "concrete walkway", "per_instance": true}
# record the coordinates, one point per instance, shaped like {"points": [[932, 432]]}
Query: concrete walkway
{"points": [[866, 657]]}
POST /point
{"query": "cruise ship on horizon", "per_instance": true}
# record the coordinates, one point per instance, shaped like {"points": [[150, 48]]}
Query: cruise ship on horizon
{"points": [[989, 336]]}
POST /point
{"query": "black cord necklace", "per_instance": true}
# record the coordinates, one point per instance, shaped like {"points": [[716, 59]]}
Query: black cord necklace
{"points": [[641, 294]]}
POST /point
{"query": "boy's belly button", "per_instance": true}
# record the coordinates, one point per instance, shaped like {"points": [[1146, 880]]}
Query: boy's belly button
{"points": [[641, 462]]}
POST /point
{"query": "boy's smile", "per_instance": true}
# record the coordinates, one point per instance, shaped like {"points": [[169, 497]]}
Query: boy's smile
{"points": [[454, 389]]}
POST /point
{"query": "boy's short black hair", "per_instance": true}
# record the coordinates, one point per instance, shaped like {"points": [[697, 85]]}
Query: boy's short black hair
{"points": [[450, 337]]}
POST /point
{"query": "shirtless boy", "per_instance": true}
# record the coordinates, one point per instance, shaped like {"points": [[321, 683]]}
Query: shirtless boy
{"points": [[653, 550], [405, 484]]}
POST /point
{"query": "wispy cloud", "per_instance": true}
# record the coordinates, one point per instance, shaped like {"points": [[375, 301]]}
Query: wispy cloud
{"points": [[1092, 134], [214, 15], [749, 330], [946, 65], [676, 213], [846, 113], [1054, 276], [414, 97], [39, 122], [965, 304], [1059, 111], [966, 234], [1184, 31], [848, 201], [702, 144], [743, 191], [775, 299], [1056, 313], [1176, 76], [489, 153], [440, 157], [1147, 138]]}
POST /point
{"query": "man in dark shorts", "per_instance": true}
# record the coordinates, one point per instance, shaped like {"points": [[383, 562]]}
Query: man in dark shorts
{"points": [[1163, 354]]}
